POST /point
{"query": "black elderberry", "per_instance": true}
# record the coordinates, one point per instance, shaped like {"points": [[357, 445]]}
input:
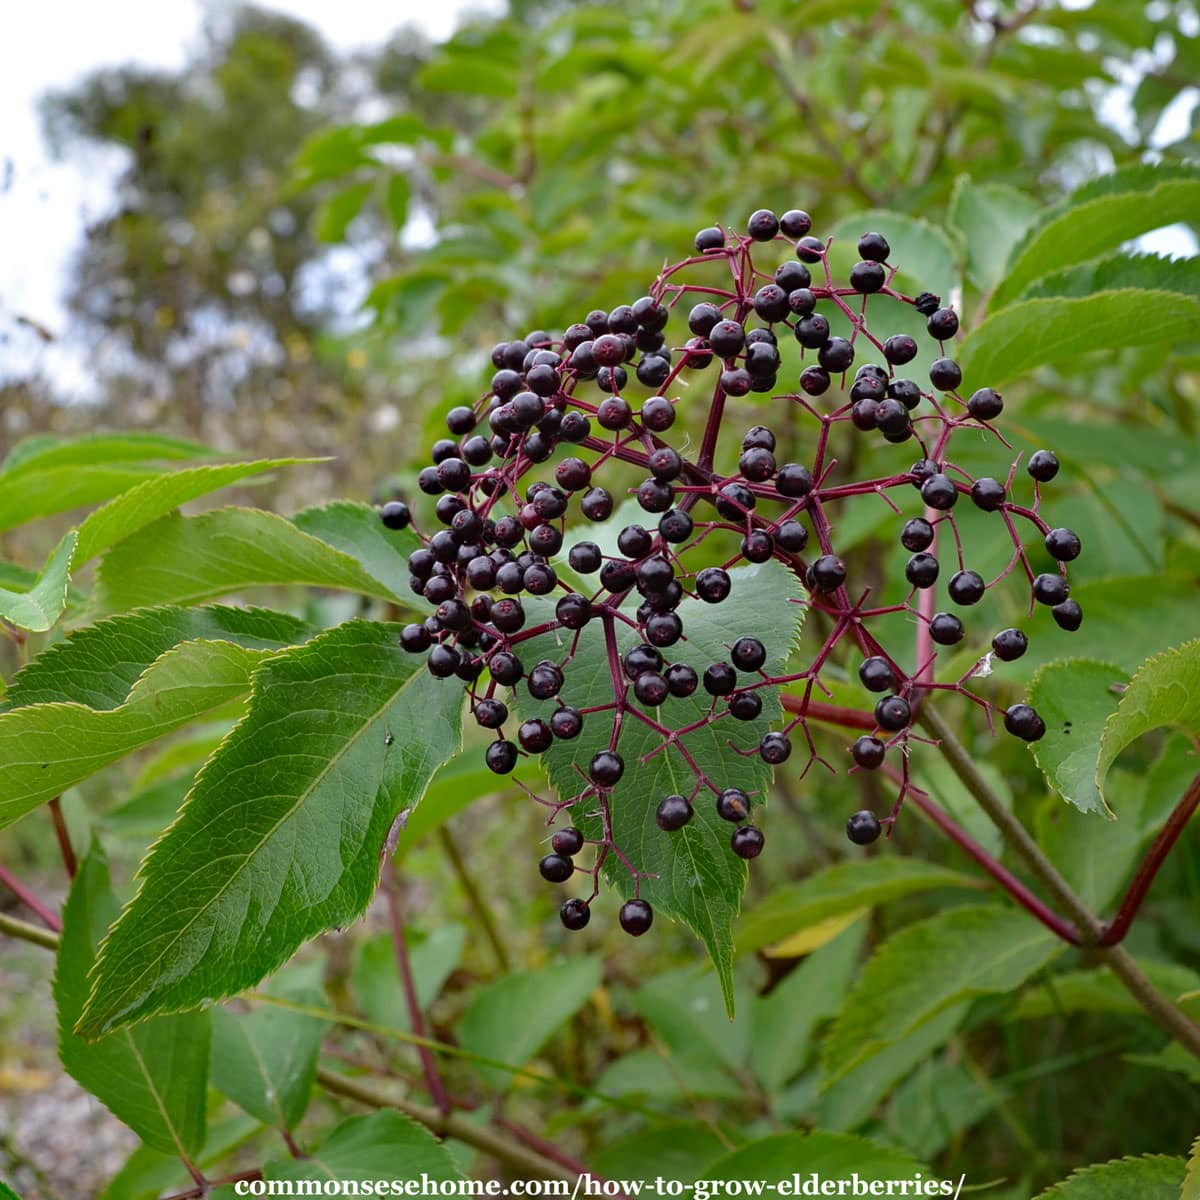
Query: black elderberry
{"points": [[395, 515], [745, 706], [597, 504], [709, 239], [836, 355], [892, 713], [658, 414], [567, 842], [801, 302], [1068, 615], [917, 534], [874, 247], [814, 381], [636, 916], [791, 536], [634, 541], [987, 494], [506, 669], [453, 615], [863, 828], [510, 578], [675, 526], [609, 379], [501, 757], [651, 689], [1043, 465], [614, 413], [546, 540], [653, 371], [713, 585], [673, 812], [414, 638], [703, 317], [945, 374], [946, 629], [606, 768], [868, 386], [869, 752], [875, 674], [986, 404], [575, 914], [429, 483], [573, 611], [810, 249], [535, 735], [649, 313], [774, 748], [922, 570], [640, 659], [682, 680], [733, 805], [938, 491], [942, 324], [867, 277], [1023, 721], [748, 654], [665, 464], [927, 304], [812, 332], [864, 414], [891, 417], [654, 575], [747, 842], [1050, 589], [491, 714], [907, 391], [966, 587], [545, 680], [795, 223], [794, 480], [771, 302], [508, 615], [762, 363], [1009, 644], [443, 661], [573, 474], [736, 381], [900, 349], [1062, 544], [566, 723], [719, 679], [827, 573], [757, 546], [574, 427]]}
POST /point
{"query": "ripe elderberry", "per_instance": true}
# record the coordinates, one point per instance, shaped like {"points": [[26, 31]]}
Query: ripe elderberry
{"points": [[570, 424]]}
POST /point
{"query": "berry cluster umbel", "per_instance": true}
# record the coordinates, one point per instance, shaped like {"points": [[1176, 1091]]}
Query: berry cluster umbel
{"points": [[568, 400]]}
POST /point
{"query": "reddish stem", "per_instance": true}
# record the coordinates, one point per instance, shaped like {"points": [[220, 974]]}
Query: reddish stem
{"points": [[64, 838], [30, 900]]}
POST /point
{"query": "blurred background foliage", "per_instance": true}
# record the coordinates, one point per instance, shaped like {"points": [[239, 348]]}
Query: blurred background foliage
{"points": [[315, 255]]}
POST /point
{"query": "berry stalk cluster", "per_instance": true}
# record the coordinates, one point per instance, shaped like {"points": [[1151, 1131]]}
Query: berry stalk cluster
{"points": [[568, 400]]}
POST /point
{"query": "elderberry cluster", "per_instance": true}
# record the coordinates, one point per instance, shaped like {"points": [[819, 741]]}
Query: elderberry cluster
{"points": [[568, 400]]}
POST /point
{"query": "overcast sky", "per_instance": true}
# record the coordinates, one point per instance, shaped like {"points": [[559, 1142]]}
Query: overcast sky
{"points": [[45, 205]]}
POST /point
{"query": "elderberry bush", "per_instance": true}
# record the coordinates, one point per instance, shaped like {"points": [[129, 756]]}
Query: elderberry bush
{"points": [[524, 559]]}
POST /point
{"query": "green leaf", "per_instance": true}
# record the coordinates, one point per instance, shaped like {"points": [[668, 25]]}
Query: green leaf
{"points": [[336, 213], [683, 1006], [785, 1018], [1100, 991], [1165, 691], [470, 74], [396, 200], [375, 975], [924, 253], [830, 1156], [46, 748], [364, 1149], [153, 1078], [1191, 1182], [992, 218], [184, 560], [1150, 1177], [674, 1151], [1100, 217], [145, 503], [265, 1060], [698, 879], [926, 967], [1033, 333], [45, 450], [1075, 698], [1149, 271], [38, 608], [281, 836], [512, 1019], [841, 889], [99, 665], [934, 1104]]}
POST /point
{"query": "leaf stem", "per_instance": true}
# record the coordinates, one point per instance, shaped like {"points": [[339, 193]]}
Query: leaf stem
{"points": [[29, 899], [64, 837], [433, 1080], [474, 898], [1091, 929], [524, 1161], [17, 928]]}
